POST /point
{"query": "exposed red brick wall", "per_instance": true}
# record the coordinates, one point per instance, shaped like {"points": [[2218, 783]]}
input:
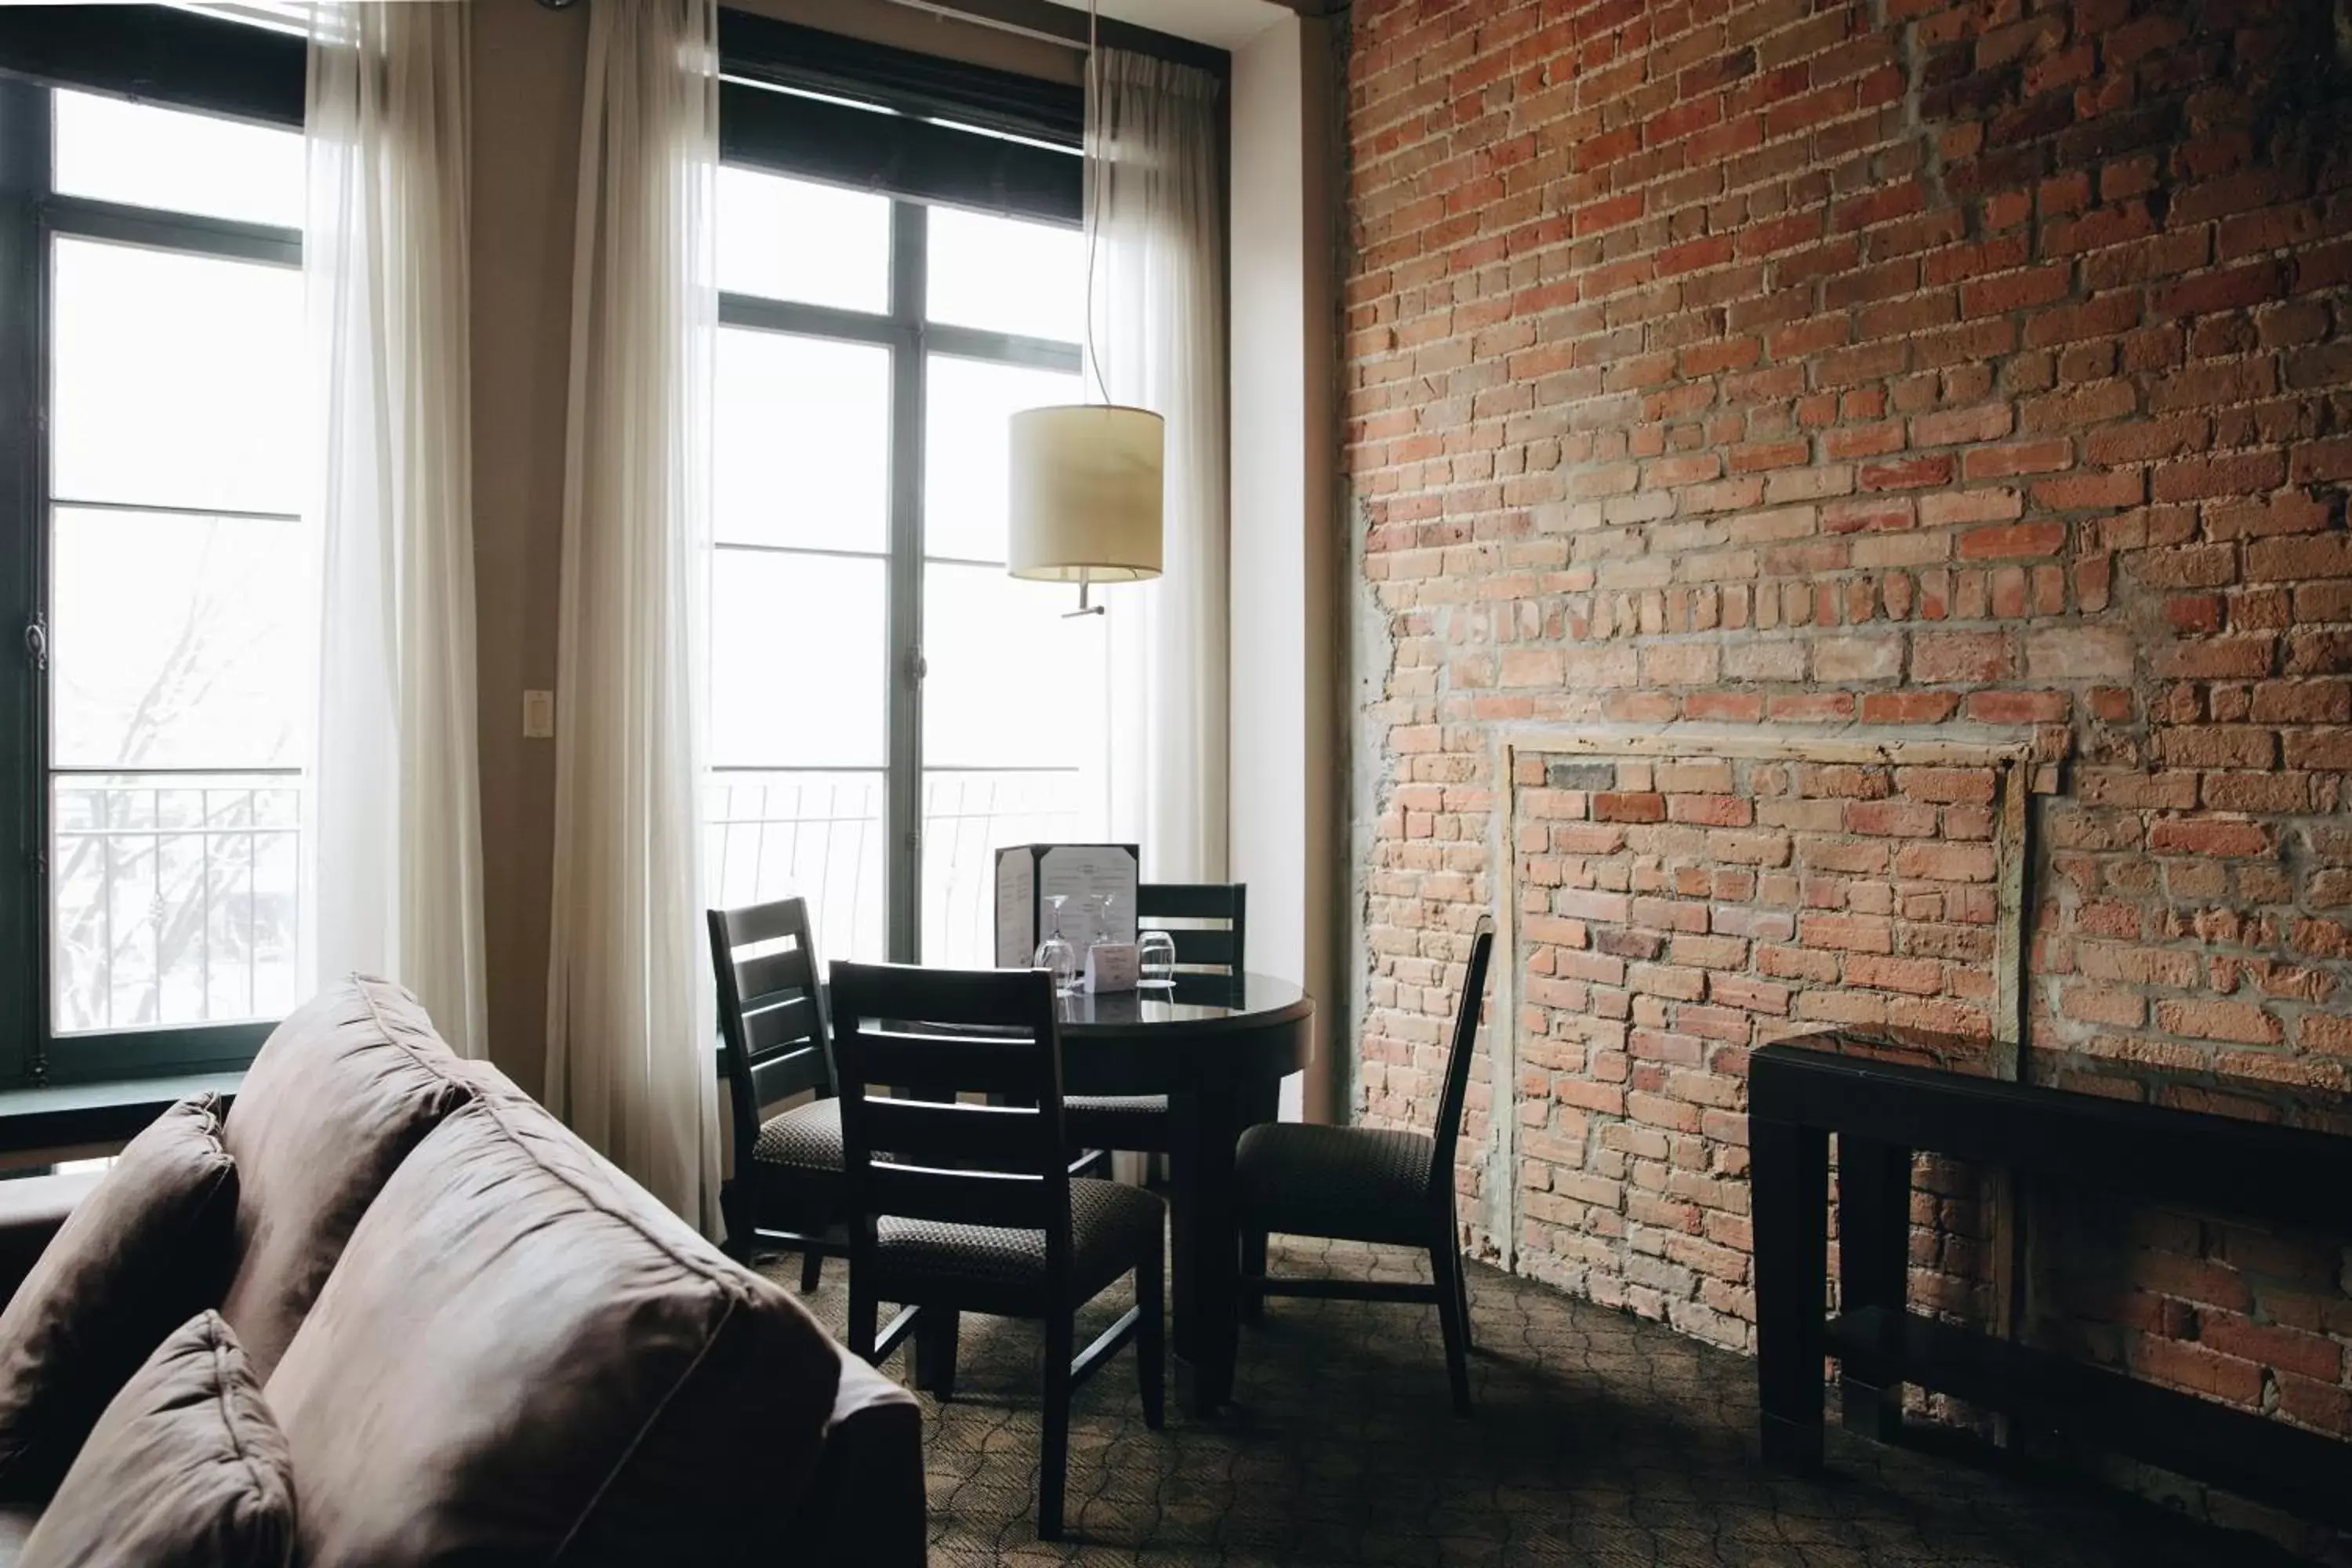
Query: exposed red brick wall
{"points": [[1906, 362]]}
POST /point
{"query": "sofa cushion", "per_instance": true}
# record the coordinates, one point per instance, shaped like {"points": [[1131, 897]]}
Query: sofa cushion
{"points": [[185, 1469], [147, 1248], [344, 1089], [549, 1363]]}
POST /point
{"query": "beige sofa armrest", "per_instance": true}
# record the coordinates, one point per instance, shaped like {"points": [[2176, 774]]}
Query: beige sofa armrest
{"points": [[32, 1209], [865, 1507]]}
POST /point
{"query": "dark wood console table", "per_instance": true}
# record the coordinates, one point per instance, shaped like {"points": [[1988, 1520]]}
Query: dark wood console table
{"points": [[1889, 1095]]}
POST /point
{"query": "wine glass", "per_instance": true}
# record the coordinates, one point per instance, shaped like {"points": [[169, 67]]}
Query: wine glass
{"points": [[1055, 954], [1156, 960]]}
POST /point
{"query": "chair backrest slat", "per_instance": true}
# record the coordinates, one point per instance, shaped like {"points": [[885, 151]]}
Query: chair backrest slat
{"points": [[958, 1197], [789, 1073], [1197, 948], [790, 971], [987, 1136], [749, 925], [771, 1018], [774, 1026], [1464, 1044], [1222, 947], [988, 1063], [945, 1032]]}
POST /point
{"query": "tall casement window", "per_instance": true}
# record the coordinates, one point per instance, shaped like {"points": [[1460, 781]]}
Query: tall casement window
{"points": [[156, 577], [901, 269]]}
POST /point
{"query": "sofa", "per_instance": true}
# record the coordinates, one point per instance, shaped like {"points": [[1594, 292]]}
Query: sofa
{"points": [[485, 1343]]}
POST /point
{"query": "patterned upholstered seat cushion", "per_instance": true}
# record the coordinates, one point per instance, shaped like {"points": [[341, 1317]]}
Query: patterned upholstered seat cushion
{"points": [[1355, 1184], [806, 1138], [1116, 1121], [1110, 1226]]}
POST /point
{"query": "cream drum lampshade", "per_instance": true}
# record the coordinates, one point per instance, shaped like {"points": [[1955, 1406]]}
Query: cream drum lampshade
{"points": [[1085, 498]]}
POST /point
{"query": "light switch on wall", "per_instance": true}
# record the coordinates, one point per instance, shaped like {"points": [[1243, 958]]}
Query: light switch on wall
{"points": [[539, 715]]}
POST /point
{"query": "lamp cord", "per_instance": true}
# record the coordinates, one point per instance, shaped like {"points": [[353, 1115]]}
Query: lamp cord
{"points": [[1091, 354]]}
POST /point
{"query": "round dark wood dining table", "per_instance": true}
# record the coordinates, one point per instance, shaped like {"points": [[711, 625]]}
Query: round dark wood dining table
{"points": [[1219, 1050]]}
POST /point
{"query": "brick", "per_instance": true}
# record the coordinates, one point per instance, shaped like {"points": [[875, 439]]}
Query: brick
{"points": [[2079, 653], [1635, 807], [2213, 1018], [2207, 835], [1944, 658], [1857, 657], [2028, 540]]}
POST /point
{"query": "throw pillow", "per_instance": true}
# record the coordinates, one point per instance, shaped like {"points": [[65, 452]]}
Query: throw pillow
{"points": [[185, 1469], [148, 1247]]}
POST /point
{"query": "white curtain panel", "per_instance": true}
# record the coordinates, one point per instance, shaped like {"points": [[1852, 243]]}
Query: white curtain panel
{"points": [[630, 1008], [1155, 220], [397, 884]]}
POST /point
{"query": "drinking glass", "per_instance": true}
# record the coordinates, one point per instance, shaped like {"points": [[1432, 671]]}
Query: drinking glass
{"points": [[1156, 960], [1055, 954]]}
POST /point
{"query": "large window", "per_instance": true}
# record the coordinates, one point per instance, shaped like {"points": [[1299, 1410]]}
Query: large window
{"points": [[888, 706], [151, 392]]}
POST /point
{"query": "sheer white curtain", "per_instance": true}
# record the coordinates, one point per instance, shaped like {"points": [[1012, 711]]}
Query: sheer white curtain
{"points": [[629, 1015], [1156, 228], [397, 821]]}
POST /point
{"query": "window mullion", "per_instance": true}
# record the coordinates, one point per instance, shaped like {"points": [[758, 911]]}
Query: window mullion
{"points": [[904, 860], [24, 530]]}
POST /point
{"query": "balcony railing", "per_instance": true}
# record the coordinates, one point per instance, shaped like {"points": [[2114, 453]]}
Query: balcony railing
{"points": [[175, 898], [822, 835]]}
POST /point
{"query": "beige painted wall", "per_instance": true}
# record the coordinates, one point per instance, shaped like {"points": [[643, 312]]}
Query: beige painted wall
{"points": [[528, 68], [528, 65], [1287, 765]]}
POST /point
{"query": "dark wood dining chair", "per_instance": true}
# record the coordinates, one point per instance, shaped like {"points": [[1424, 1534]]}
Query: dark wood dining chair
{"points": [[1210, 923], [1374, 1184], [972, 1208], [784, 1187]]}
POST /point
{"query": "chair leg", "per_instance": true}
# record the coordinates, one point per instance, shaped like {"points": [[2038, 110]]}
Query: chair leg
{"points": [[1054, 1462], [1461, 1275], [1445, 1265], [1151, 1338], [812, 1271], [935, 1352], [1252, 1302], [864, 1312], [1462, 1294], [735, 1213]]}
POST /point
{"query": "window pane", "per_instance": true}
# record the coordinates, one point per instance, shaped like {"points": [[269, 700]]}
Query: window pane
{"points": [[178, 641], [1003, 275], [967, 816], [177, 900], [178, 380], [817, 835], [793, 239], [966, 436], [116, 150], [803, 442], [798, 668], [1011, 683]]}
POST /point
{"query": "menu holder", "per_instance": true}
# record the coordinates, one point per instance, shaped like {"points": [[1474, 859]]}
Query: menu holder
{"points": [[1030, 876]]}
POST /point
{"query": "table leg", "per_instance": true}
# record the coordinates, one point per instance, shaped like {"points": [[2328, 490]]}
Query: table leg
{"points": [[1874, 1268], [1788, 1183], [1204, 1125]]}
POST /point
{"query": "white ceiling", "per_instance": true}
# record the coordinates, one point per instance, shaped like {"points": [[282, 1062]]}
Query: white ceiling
{"points": [[1227, 24]]}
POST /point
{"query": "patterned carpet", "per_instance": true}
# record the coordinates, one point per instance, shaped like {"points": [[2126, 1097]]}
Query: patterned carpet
{"points": [[1597, 1438]]}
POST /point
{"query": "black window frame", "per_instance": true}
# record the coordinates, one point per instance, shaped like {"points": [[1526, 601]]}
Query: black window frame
{"points": [[958, 136], [174, 59]]}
